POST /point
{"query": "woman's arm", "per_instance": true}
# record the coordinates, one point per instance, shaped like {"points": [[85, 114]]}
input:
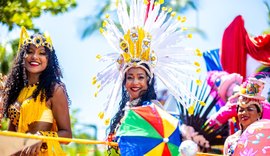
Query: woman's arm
{"points": [[59, 105], [11, 127]]}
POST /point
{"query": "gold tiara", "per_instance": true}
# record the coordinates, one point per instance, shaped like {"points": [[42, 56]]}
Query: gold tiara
{"points": [[36, 39]]}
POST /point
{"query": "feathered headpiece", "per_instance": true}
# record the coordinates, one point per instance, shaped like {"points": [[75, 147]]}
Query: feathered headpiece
{"points": [[36, 39], [152, 35]]}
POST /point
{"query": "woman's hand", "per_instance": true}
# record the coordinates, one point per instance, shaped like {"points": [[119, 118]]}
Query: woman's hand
{"points": [[32, 150]]}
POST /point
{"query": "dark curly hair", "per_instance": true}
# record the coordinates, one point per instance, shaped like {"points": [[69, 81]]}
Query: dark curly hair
{"points": [[17, 78], [147, 95]]}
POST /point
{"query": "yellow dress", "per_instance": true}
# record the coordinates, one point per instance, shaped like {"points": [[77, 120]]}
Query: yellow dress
{"points": [[31, 110]]}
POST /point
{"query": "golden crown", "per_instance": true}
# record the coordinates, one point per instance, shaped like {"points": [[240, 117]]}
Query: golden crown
{"points": [[36, 39]]}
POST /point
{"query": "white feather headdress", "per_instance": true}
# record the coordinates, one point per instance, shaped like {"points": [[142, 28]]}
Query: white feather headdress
{"points": [[149, 34]]}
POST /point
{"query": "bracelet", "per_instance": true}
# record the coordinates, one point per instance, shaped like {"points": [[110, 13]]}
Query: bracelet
{"points": [[44, 146], [48, 133]]}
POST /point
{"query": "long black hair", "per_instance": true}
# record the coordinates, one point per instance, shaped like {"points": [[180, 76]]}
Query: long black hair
{"points": [[147, 95], [17, 78]]}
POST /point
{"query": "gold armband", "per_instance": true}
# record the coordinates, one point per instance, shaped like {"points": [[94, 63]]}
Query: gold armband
{"points": [[48, 133], [44, 146], [14, 115]]}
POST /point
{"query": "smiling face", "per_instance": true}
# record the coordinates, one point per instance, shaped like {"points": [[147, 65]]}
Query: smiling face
{"points": [[248, 115], [36, 60], [136, 82]]}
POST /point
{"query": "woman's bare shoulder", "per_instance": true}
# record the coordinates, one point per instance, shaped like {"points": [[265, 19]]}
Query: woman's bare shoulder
{"points": [[59, 92], [59, 87]]}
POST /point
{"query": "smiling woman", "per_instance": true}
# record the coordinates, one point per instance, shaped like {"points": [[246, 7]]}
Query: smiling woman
{"points": [[35, 59], [136, 82], [137, 88], [249, 110], [147, 45], [35, 99]]}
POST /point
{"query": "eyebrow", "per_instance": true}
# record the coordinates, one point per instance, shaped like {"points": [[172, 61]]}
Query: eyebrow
{"points": [[141, 74], [247, 107], [137, 74]]}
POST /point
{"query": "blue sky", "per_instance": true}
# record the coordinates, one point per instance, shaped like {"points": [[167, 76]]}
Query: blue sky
{"points": [[77, 57]]}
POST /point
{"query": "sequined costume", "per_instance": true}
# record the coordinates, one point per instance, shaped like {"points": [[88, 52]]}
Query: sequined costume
{"points": [[26, 110]]}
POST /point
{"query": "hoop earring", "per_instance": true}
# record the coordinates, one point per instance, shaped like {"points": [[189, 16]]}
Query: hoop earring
{"points": [[25, 80]]}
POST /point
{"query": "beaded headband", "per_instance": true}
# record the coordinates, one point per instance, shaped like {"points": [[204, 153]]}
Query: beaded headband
{"points": [[36, 39]]}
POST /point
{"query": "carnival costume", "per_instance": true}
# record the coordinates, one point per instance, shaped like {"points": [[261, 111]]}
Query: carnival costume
{"points": [[237, 43], [249, 94], [195, 126], [27, 110], [222, 83], [150, 34]]}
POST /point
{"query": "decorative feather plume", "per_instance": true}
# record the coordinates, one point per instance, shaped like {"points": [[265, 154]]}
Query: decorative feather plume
{"points": [[149, 34]]}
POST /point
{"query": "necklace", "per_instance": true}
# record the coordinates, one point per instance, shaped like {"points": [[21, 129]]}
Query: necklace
{"points": [[133, 102], [30, 87]]}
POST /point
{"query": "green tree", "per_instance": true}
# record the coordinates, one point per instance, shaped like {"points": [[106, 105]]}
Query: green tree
{"points": [[4, 124], [82, 131], [21, 13], [8, 52]]}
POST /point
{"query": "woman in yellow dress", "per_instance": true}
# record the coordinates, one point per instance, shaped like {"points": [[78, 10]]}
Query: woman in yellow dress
{"points": [[35, 99]]}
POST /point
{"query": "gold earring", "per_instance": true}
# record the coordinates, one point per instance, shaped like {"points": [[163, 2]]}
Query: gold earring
{"points": [[26, 55]]}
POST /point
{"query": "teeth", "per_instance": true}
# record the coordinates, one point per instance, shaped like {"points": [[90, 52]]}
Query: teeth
{"points": [[34, 63], [135, 89]]}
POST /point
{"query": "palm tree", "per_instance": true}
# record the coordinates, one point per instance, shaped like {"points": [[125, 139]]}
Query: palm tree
{"points": [[22, 13]]}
